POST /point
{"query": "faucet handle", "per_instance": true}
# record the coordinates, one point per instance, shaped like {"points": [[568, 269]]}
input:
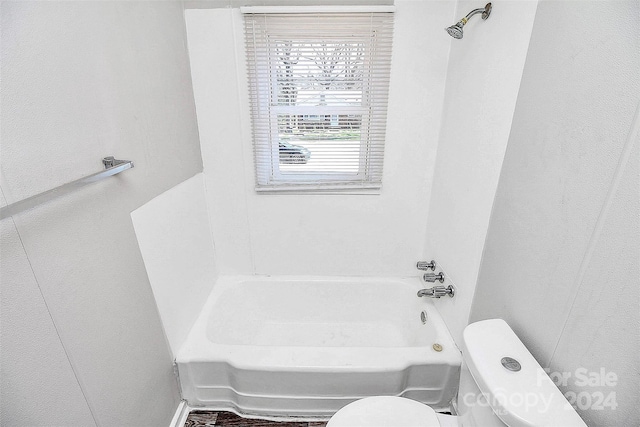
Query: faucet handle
{"points": [[431, 277], [424, 265]]}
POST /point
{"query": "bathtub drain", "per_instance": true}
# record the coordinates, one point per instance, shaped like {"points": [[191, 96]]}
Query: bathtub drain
{"points": [[423, 317]]}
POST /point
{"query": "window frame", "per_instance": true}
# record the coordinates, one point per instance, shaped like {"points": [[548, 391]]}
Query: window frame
{"points": [[266, 147]]}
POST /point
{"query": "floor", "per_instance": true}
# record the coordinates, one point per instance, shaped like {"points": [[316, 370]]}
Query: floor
{"points": [[229, 419]]}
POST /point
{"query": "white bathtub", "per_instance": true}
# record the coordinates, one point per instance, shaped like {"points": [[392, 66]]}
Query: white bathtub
{"points": [[305, 347]]}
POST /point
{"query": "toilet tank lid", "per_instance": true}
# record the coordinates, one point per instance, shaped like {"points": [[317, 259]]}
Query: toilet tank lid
{"points": [[520, 398]]}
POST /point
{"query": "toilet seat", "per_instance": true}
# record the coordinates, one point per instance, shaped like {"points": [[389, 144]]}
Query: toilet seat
{"points": [[381, 411]]}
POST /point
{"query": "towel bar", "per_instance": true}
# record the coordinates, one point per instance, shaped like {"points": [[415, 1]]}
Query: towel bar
{"points": [[112, 167]]}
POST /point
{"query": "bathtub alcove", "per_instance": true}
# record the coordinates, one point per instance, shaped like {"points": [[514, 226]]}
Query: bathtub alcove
{"points": [[286, 346], [301, 346]]}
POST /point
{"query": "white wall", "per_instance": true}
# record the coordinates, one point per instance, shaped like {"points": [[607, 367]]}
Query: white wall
{"points": [[320, 234], [30, 376], [177, 247], [485, 68], [561, 262], [82, 80]]}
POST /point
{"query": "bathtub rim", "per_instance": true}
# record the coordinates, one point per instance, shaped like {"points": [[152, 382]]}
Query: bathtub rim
{"points": [[198, 348]]}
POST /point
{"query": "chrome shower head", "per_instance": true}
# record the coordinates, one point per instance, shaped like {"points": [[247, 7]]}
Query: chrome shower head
{"points": [[455, 30]]}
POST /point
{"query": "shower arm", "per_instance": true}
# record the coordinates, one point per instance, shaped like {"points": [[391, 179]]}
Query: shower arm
{"points": [[486, 11]]}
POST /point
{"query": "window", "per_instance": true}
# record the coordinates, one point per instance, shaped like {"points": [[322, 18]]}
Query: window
{"points": [[318, 85]]}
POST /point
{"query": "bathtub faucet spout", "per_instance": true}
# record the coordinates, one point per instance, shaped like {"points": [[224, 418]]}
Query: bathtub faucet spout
{"points": [[437, 292]]}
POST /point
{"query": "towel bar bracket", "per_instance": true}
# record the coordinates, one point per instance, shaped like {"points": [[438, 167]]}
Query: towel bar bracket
{"points": [[110, 162]]}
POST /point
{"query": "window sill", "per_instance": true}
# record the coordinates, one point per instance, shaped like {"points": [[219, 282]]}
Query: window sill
{"points": [[374, 191]]}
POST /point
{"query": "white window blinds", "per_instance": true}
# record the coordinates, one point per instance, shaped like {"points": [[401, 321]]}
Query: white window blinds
{"points": [[318, 86]]}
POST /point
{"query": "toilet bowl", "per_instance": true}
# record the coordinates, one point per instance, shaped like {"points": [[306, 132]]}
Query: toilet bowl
{"points": [[501, 384], [389, 411]]}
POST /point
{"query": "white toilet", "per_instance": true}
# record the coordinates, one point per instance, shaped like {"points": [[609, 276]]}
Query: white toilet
{"points": [[501, 384]]}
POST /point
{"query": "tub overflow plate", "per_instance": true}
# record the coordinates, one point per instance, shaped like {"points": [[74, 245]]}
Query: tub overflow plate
{"points": [[511, 364]]}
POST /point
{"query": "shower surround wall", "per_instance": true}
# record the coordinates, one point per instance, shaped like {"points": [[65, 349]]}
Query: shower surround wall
{"points": [[82, 343], [176, 243], [485, 68], [368, 235], [561, 261]]}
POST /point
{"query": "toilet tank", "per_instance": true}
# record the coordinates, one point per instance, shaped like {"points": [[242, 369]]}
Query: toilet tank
{"points": [[502, 384]]}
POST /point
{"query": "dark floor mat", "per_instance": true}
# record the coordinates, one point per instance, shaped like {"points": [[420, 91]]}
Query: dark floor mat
{"points": [[229, 419]]}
